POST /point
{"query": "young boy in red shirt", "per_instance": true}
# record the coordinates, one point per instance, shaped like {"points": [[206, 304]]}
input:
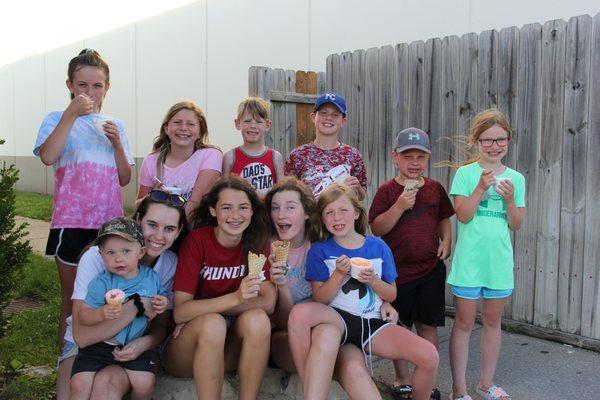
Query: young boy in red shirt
{"points": [[412, 214]]}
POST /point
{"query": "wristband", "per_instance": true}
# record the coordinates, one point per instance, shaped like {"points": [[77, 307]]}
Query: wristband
{"points": [[137, 302]]}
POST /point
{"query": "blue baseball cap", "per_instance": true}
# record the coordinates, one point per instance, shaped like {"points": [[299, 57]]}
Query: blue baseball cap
{"points": [[333, 98]]}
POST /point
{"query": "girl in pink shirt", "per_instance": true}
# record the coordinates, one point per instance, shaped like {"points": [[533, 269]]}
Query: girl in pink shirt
{"points": [[182, 161]]}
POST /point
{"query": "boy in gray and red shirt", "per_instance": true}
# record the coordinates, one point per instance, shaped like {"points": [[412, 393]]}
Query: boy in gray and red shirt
{"points": [[412, 214]]}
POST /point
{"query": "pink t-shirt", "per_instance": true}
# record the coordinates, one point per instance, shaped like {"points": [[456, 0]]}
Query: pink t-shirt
{"points": [[299, 287], [184, 175]]}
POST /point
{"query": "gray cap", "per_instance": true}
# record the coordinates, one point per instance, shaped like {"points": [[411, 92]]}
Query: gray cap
{"points": [[412, 138]]}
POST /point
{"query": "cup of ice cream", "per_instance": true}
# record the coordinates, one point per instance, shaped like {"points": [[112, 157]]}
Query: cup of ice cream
{"points": [[359, 264], [498, 179], [99, 125]]}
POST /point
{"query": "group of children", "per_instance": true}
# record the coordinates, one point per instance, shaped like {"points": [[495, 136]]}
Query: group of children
{"points": [[311, 313]]}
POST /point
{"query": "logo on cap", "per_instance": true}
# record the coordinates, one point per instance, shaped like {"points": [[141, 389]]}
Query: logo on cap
{"points": [[414, 136]]}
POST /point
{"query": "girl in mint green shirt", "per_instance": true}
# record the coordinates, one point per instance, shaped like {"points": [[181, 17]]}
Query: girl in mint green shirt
{"points": [[489, 200]]}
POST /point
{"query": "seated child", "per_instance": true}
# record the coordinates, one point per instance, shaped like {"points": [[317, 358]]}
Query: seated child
{"points": [[121, 245]]}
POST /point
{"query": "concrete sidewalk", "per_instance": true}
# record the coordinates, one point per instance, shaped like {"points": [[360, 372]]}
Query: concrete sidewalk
{"points": [[529, 368]]}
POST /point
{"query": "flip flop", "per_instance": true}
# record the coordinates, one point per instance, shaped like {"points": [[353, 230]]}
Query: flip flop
{"points": [[435, 394], [402, 392], [493, 393]]}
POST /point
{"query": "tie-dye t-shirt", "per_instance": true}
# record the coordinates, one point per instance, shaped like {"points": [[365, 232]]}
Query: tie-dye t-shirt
{"points": [[184, 175], [87, 192]]}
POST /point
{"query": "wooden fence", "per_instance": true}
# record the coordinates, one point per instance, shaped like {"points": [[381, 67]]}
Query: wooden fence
{"points": [[546, 78], [292, 95]]}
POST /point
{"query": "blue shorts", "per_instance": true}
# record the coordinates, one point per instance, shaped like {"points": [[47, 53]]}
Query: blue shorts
{"points": [[474, 293], [69, 349]]}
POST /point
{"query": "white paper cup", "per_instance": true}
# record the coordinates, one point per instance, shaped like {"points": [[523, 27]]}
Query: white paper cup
{"points": [[498, 179], [360, 266], [99, 125]]}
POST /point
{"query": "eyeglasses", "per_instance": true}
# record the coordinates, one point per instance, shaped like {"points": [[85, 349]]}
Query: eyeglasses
{"points": [[176, 200], [502, 142]]}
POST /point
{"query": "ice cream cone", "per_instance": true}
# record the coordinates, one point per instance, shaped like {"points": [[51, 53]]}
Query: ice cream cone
{"points": [[256, 263], [281, 249], [411, 184], [115, 297]]}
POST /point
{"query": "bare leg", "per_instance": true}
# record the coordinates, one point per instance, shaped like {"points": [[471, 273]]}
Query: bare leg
{"points": [[302, 319], [402, 371], [251, 331], [353, 375], [142, 384], [395, 342], [63, 378], [325, 342], [81, 385], [198, 351], [491, 340], [459, 343], [281, 353], [110, 383], [66, 275]]}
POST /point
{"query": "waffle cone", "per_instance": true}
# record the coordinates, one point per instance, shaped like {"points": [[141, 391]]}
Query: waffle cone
{"points": [[256, 263], [281, 249]]}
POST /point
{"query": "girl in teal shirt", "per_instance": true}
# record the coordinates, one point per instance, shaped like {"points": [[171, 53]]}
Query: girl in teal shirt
{"points": [[489, 199]]}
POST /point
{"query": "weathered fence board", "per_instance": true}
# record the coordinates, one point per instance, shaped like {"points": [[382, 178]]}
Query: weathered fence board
{"points": [[528, 121], [590, 311], [575, 133], [553, 72]]}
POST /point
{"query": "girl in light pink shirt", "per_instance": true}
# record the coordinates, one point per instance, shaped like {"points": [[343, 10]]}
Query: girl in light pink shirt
{"points": [[182, 161]]}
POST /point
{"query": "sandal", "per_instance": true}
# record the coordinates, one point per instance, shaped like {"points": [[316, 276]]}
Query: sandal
{"points": [[435, 394], [493, 393], [402, 392], [463, 397]]}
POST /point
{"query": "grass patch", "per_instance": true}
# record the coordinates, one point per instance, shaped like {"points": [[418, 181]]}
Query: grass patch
{"points": [[33, 205], [31, 336]]}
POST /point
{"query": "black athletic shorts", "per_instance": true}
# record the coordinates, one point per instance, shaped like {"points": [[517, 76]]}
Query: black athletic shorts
{"points": [[360, 331], [97, 356], [423, 300], [66, 244]]}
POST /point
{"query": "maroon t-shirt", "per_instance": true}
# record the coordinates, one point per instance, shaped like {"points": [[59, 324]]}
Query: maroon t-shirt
{"points": [[207, 269], [414, 239]]}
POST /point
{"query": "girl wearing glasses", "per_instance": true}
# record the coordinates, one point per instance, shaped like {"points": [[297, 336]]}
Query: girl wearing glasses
{"points": [[489, 199], [92, 161], [223, 308], [161, 216], [182, 161]]}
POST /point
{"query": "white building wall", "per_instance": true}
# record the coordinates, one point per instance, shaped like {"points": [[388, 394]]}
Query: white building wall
{"points": [[203, 51]]}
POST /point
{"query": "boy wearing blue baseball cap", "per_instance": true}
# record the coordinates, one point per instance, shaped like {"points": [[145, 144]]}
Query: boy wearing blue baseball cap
{"points": [[326, 159], [412, 214]]}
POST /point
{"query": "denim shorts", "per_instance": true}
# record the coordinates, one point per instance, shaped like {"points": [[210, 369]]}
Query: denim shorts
{"points": [[69, 349], [474, 293]]}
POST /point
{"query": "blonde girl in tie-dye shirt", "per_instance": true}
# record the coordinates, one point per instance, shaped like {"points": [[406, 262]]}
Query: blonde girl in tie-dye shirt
{"points": [[91, 164]]}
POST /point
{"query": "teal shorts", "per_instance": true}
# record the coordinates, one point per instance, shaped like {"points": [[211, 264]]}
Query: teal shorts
{"points": [[474, 293]]}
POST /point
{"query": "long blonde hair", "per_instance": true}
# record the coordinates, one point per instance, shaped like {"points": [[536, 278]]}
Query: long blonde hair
{"points": [[162, 143]]}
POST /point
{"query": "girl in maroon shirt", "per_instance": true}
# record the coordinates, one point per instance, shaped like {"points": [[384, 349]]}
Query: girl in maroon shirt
{"points": [[224, 311]]}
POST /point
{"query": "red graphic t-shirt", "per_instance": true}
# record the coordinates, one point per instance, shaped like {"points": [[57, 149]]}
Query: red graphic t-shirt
{"points": [[207, 269], [258, 171], [414, 239], [319, 168]]}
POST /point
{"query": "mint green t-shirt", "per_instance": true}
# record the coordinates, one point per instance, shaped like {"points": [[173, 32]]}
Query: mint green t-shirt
{"points": [[484, 255]]}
